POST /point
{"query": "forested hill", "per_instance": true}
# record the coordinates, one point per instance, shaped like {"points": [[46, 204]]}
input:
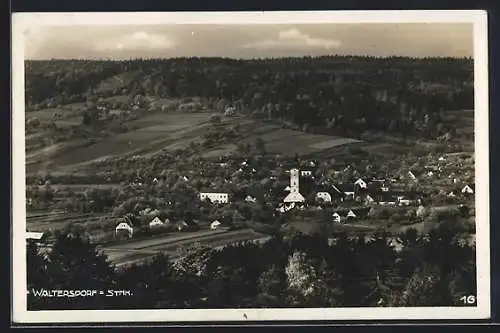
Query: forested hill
{"points": [[406, 96]]}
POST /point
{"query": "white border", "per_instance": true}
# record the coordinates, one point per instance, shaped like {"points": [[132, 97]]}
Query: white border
{"points": [[21, 21]]}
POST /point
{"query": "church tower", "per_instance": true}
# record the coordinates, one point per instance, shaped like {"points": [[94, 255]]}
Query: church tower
{"points": [[294, 180], [294, 196]]}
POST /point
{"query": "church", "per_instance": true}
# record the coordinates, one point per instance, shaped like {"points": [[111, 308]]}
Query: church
{"points": [[294, 196]]}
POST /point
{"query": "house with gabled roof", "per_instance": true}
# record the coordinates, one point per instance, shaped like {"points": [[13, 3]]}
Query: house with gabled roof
{"points": [[361, 183], [468, 189], [156, 222], [323, 195], [124, 228], [413, 175], [351, 213], [215, 224], [336, 217]]}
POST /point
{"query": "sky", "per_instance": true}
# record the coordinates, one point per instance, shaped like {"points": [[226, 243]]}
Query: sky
{"points": [[249, 41]]}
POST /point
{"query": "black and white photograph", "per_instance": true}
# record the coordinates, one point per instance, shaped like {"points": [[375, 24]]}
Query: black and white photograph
{"points": [[250, 166]]}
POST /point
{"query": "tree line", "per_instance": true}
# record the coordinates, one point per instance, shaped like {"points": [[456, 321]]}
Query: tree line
{"points": [[338, 95]]}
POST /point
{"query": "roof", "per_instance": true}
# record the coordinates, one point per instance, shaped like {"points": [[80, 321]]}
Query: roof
{"points": [[34, 235], [359, 212], [415, 173], [294, 197], [123, 225]]}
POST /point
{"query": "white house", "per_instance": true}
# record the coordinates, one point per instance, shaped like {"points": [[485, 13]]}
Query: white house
{"points": [[351, 214], [34, 235], [325, 196], [403, 201], [124, 227], [361, 183], [214, 197], [336, 217], [288, 188], [442, 159], [305, 173], [249, 198], [155, 222], [214, 225], [468, 189]]}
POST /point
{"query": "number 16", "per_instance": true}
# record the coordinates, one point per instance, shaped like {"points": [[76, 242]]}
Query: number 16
{"points": [[471, 299]]}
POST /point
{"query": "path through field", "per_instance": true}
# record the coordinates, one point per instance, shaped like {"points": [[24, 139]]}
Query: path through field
{"points": [[137, 251]]}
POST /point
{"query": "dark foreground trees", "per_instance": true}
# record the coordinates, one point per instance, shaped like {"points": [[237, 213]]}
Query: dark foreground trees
{"points": [[299, 271]]}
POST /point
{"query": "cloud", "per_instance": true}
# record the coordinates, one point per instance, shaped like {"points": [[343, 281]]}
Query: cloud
{"points": [[139, 40], [293, 38]]}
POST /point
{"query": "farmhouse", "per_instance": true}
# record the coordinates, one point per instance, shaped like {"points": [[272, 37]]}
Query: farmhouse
{"points": [[353, 213], [468, 189], [214, 197], [336, 217], [124, 229], [156, 222], [325, 196], [361, 183], [214, 225]]}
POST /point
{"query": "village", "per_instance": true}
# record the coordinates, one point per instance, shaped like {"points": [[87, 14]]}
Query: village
{"points": [[305, 188]]}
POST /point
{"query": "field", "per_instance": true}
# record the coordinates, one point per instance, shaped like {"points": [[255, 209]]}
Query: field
{"points": [[173, 245], [51, 221], [158, 131]]}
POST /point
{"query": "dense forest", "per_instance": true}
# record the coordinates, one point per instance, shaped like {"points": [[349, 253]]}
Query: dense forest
{"points": [[345, 95], [293, 270]]}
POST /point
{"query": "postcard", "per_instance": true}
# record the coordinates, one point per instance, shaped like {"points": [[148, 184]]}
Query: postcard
{"points": [[250, 166]]}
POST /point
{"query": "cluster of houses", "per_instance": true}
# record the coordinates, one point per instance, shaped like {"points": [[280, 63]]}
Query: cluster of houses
{"points": [[125, 230], [363, 193]]}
